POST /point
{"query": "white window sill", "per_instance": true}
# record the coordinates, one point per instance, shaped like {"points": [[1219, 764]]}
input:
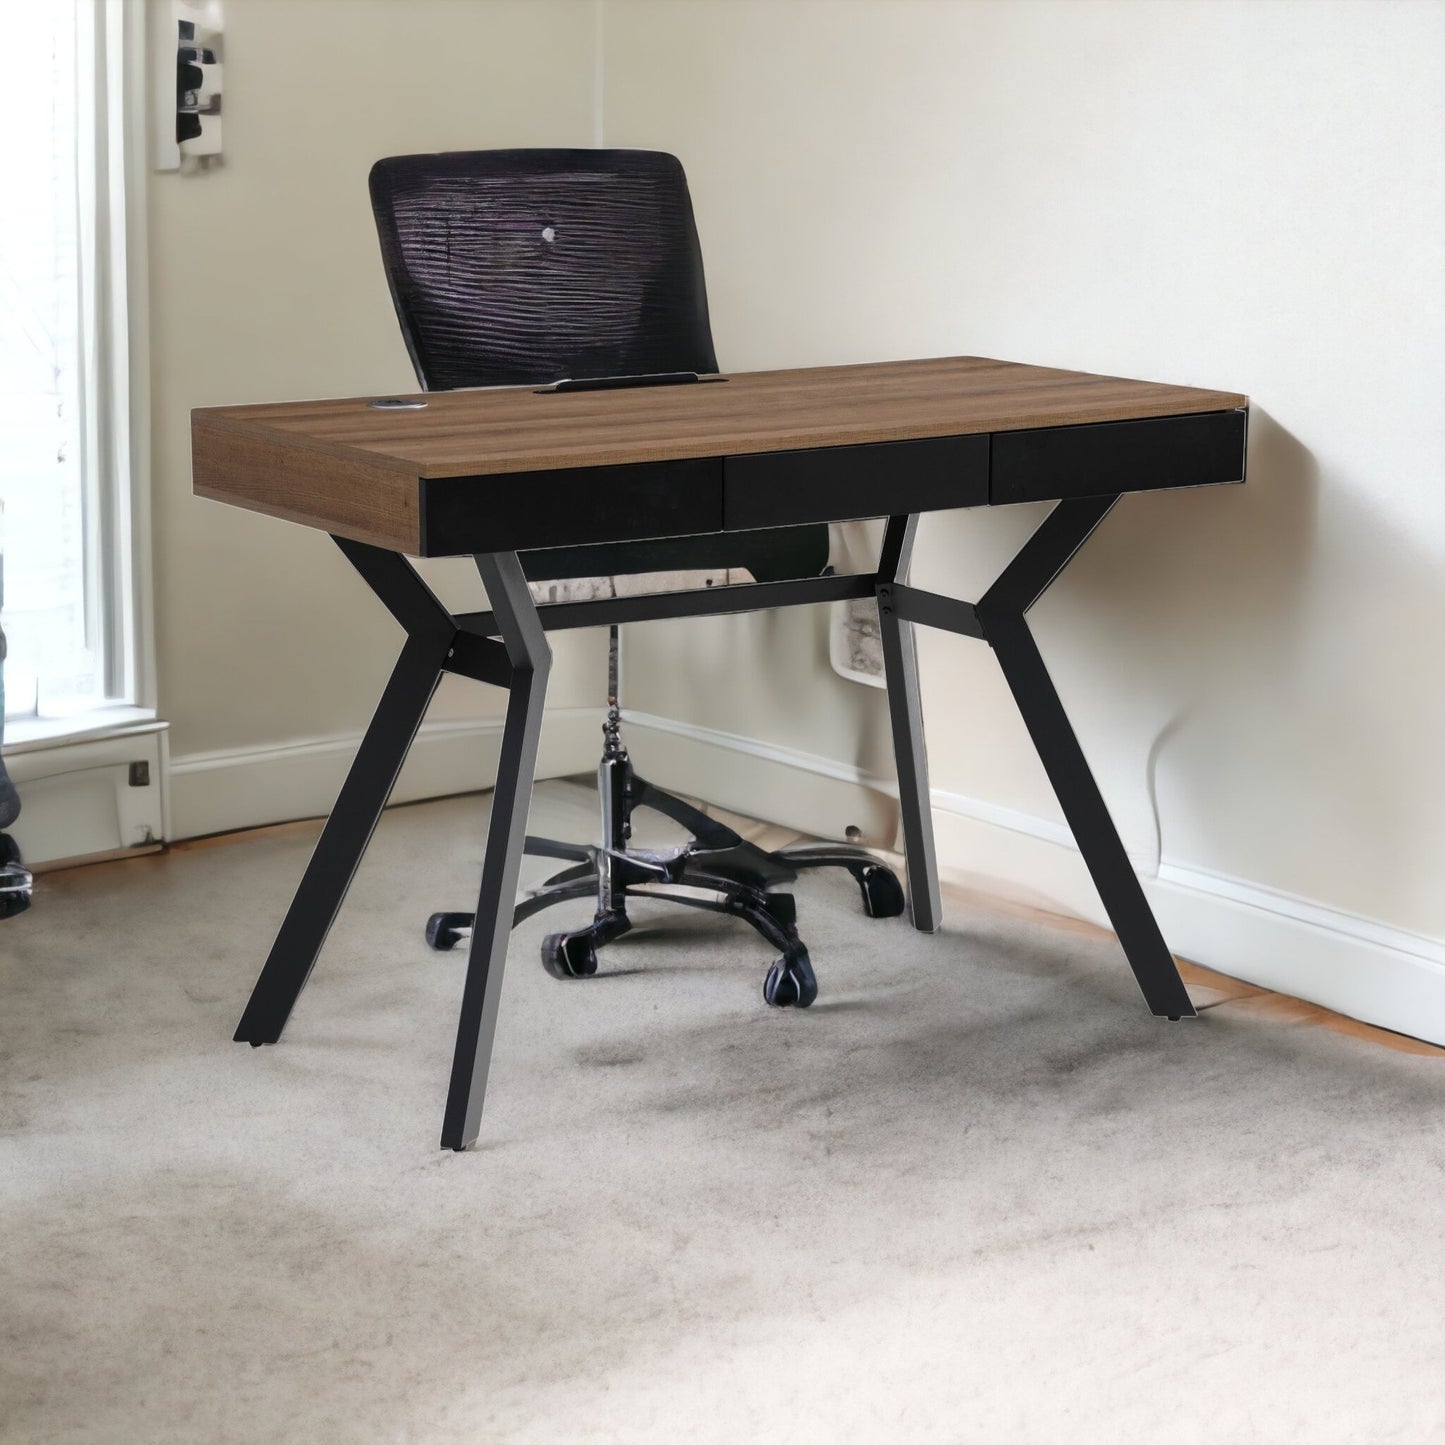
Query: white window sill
{"points": [[23, 735]]}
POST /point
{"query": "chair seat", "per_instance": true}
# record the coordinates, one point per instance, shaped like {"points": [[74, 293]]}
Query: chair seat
{"points": [[769, 554]]}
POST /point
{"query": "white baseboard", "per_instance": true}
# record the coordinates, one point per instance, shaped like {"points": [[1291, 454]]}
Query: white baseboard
{"points": [[92, 795], [217, 792], [763, 780], [1357, 966]]}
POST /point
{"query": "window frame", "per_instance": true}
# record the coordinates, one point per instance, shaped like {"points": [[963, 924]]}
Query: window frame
{"points": [[115, 375]]}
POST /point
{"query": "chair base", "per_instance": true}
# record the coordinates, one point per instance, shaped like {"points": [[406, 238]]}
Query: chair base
{"points": [[722, 872]]}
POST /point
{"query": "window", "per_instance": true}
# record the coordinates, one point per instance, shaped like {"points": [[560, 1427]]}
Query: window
{"points": [[70, 595]]}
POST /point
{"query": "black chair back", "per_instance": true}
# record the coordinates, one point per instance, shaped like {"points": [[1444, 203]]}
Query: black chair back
{"points": [[522, 266]]}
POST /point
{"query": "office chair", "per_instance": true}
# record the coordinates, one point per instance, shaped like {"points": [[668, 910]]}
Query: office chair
{"points": [[524, 267]]}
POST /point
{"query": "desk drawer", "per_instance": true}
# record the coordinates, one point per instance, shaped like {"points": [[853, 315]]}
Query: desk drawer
{"points": [[1054, 463], [778, 489], [515, 511]]}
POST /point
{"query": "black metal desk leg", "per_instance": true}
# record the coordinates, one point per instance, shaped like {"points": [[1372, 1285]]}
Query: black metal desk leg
{"points": [[344, 838], [1001, 611], [531, 660], [910, 754]]}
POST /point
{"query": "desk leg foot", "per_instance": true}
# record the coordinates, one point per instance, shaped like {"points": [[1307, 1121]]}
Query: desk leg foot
{"points": [[531, 660], [343, 840]]}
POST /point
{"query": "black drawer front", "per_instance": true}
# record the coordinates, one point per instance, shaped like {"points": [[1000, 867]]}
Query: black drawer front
{"points": [[829, 484], [1118, 456], [519, 510]]}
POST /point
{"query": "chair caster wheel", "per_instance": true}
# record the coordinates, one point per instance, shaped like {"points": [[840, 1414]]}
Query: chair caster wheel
{"points": [[14, 890], [882, 892], [443, 930], [782, 908], [15, 880], [569, 955], [790, 982]]}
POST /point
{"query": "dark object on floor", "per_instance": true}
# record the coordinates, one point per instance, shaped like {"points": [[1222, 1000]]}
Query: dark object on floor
{"points": [[9, 798], [14, 878], [15, 882], [528, 267]]}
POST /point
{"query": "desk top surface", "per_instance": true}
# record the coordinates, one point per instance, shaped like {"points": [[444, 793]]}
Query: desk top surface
{"points": [[519, 429]]}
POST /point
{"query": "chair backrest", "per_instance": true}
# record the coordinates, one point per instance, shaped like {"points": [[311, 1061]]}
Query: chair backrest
{"points": [[519, 266], [524, 266]]}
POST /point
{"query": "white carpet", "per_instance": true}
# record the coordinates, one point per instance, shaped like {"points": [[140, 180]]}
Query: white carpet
{"points": [[975, 1194]]}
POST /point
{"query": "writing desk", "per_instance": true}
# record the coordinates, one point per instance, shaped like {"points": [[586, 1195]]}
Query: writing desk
{"points": [[494, 472]]}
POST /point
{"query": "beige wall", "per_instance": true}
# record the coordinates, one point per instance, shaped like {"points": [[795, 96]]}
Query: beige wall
{"points": [[1241, 195], [267, 283]]}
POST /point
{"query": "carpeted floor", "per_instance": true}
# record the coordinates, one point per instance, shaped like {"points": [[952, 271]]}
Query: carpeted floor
{"points": [[975, 1194]]}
